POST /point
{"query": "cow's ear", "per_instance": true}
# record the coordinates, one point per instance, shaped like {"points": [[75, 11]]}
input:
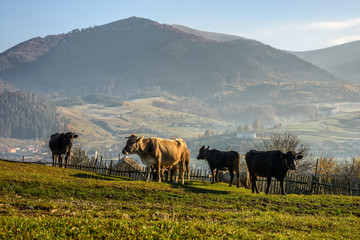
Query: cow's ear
{"points": [[208, 148], [202, 148], [283, 156], [75, 135], [298, 157], [288, 154]]}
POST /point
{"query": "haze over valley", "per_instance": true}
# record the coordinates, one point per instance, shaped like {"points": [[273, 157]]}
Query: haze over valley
{"points": [[139, 76]]}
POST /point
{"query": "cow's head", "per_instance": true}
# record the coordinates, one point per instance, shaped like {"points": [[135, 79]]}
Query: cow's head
{"points": [[69, 136], [290, 159], [202, 152], [132, 144]]}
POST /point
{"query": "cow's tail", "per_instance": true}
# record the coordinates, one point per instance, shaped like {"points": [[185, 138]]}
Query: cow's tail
{"points": [[248, 156], [238, 172], [238, 157]]}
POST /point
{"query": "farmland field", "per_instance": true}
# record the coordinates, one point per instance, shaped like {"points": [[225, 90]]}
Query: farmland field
{"points": [[326, 133], [42, 202]]}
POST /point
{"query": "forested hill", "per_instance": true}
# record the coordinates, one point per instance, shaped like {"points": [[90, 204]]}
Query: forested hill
{"points": [[342, 60], [25, 115], [137, 56]]}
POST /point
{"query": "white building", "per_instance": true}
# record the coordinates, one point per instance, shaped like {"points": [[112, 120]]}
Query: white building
{"points": [[246, 135]]}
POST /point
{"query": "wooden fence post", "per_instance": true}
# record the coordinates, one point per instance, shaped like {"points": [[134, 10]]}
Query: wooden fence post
{"points": [[314, 178], [110, 168], [287, 183]]}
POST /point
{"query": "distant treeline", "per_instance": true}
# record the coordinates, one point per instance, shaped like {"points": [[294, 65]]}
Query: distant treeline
{"points": [[25, 115], [106, 101]]}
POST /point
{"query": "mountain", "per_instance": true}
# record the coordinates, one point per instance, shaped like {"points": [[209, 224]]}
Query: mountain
{"points": [[208, 35], [137, 57], [342, 60]]}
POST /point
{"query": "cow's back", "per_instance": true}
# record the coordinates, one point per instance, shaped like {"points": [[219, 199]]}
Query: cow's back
{"points": [[263, 163], [221, 159], [57, 144], [169, 150]]}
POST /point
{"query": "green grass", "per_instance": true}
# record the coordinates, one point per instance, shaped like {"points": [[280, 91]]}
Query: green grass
{"points": [[42, 202]]}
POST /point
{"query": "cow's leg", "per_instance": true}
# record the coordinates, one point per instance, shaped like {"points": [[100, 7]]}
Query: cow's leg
{"points": [[187, 171], [217, 175], [238, 178], [60, 160], [53, 159], [158, 169], [213, 173], [171, 173], [231, 177], [268, 183], [182, 171], [256, 189], [67, 155], [174, 175], [282, 187], [166, 175], [148, 169], [253, 183]]}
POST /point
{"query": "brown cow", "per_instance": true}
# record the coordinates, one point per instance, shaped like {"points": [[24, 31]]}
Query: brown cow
{"points": [[158, 152], [185, 159]]}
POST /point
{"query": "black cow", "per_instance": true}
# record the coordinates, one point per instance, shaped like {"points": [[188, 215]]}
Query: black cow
{"points": [[221, 160], [59, 144], [270, 164]]}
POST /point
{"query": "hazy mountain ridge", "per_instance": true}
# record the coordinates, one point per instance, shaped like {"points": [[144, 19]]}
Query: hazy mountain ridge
{"points": [[135, 55], [208, 35], [342, 60], [28, 51]]}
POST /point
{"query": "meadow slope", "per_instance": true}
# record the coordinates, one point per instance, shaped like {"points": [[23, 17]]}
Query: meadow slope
{"points": [[38, 202]]}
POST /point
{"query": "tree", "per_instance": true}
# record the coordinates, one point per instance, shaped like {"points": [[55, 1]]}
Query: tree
{"points": [[208, 133], [349, 170], [326, 166], [286, 142], [256, 124], [79, 156]]}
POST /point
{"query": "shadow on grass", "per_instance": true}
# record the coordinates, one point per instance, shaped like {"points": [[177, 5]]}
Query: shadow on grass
{"points": [[101, 177], [191, 187]]}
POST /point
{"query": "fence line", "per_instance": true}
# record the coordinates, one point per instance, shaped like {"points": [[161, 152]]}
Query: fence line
{"points": [[293, 183]]}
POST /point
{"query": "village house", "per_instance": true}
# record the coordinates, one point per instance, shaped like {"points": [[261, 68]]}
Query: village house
{"points": [[246, 135]]}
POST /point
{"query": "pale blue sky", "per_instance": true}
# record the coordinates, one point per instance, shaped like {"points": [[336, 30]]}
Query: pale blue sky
{"points": [[284, 24]]}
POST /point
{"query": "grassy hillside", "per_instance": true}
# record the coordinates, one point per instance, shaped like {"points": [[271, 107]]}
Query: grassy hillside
{"points": [[337, 134], [46, 202], [105, 126]]}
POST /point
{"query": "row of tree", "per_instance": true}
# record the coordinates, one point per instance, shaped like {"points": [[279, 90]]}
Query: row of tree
{"points": [[25, 115], [324, 166]]}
